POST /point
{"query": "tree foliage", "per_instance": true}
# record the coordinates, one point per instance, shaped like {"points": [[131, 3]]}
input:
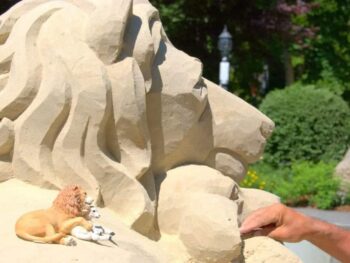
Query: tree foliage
{"points": [[262, 32], [328, 55], [6, 4], [304, 40]]}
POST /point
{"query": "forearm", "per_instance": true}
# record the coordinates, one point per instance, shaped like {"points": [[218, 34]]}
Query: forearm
{"points": [[332, 239]]}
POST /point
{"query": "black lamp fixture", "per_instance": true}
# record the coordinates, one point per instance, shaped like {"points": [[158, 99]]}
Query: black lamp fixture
{"points": [[225, 43], [225, 47]]}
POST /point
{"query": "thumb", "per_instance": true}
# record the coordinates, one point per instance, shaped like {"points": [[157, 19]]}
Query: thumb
{"points": [[265, 231], [279, 233], [257, 220]]}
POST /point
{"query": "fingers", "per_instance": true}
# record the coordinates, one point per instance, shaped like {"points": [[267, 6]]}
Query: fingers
{"points": [[280, 234], [265, 231], [276, 233], [261, 219], [278, 222]]}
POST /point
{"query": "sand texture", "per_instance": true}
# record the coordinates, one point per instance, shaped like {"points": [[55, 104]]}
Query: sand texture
{"points": [[17, 198]]}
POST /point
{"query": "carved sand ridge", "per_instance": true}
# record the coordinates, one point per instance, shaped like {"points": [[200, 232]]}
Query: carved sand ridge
{"points": [[92, 92]]}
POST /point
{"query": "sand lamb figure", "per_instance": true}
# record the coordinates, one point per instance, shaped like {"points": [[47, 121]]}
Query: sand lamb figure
{"points": [[97, 232]]}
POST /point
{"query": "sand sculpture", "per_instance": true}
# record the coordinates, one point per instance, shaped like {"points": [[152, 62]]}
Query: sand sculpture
{"points": [[92, 92]]}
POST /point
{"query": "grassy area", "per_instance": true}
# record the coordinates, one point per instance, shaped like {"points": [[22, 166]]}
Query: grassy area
{"points": [[301, 184]]}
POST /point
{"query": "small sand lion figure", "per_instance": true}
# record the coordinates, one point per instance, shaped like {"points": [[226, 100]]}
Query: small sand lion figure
{"points": [[53, 225]]}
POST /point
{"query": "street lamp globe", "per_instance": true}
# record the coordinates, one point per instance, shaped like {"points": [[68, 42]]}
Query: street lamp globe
{"points": [[225, 43], [225, 47]]}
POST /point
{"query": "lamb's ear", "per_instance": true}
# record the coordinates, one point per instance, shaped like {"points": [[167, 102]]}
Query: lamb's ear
{"points": [[89, 200]]}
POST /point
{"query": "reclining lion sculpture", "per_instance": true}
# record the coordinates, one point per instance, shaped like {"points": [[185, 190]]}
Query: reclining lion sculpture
{"points": [[92, 92], [53, 225]]}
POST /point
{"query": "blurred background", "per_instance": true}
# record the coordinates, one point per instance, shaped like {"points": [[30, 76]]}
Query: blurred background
{"points": [[291, 59], [294, 41]]}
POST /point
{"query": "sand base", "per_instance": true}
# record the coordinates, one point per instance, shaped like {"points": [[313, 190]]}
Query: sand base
{"points": [[17, 198]]}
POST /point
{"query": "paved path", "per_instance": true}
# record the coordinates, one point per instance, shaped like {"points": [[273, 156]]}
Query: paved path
{"points": [[341, 219], [307, 252]]}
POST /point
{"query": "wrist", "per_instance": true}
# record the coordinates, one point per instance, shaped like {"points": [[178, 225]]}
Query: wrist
{"points": [[310, 228], [317, 229]]}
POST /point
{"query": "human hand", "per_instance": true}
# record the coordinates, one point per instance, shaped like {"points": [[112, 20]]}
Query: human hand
{"points": [[278, 222]]}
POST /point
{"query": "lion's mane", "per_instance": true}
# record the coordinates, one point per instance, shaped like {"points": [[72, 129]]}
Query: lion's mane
{"points": [[77, 97], [70, 201]]}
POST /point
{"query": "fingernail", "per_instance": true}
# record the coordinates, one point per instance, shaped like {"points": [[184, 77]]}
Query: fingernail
{"points": [[242, 230]]}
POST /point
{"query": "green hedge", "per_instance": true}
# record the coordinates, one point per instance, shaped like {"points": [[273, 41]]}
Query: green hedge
{"points": [[311, 124]]}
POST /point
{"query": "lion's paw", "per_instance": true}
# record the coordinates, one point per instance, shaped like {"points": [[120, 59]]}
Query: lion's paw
{"points": [[69, 241]]}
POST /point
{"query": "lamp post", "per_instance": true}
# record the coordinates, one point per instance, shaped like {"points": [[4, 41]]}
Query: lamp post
{"points": [[225, 47]]}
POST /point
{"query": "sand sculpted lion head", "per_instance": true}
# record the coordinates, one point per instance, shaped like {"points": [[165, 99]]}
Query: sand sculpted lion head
{"points": [[71, 201], [92, 92]]}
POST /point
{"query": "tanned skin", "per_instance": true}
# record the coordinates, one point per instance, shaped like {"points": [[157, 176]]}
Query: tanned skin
{"points": [[284, 224]]}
